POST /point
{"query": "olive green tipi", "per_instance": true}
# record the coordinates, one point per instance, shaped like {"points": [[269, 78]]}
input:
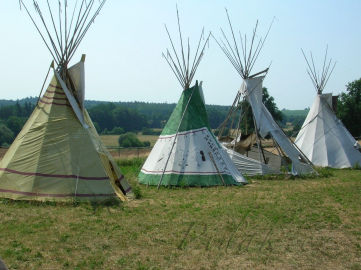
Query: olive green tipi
{"points": [[58, 154]]}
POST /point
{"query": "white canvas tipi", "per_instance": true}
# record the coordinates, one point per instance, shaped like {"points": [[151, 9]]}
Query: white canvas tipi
{"points": [[187, 153], [58, 154], [251, 90], [323, 138]]}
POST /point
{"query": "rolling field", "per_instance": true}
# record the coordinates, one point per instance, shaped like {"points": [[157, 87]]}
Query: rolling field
{"points": [[112, 140], [268, 224]]}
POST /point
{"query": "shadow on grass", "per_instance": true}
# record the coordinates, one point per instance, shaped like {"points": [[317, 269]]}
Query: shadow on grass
{"points": [[75, 203], [321, 173]]}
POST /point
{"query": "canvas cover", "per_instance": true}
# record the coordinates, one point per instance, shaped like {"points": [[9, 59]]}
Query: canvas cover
{"points": [[252, 89], [249, 166], [324, 139], [243, 143], [197, 158], [56, 157]]}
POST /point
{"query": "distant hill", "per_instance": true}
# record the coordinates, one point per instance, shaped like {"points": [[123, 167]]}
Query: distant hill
{"points": [[295, 117], [289, 113], [113, 117], [139, 105], [6, 102], [161, 111]]}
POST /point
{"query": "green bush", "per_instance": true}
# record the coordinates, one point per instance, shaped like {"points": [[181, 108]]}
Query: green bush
{"points": [[117, 131], [129, 139], [105, 132], [137, 193], [15, 124]]}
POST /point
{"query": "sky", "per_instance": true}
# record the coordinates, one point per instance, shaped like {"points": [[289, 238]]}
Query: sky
{"points": [[124, 48]]}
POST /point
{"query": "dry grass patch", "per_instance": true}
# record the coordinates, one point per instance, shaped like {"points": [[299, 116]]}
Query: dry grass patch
{"points": [[278, 224], [130, 153], [151, 138], [112, 140]]}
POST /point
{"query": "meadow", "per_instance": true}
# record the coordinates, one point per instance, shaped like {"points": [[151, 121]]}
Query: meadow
{"points": [[306, 223], [111, 142]]}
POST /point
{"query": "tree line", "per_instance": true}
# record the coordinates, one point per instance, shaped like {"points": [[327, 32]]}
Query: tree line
{"points": [[12, 120], [122, 117]]}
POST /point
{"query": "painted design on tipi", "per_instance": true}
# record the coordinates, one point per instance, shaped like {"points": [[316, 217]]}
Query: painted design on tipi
{"points": [[197, 159], [186, 152]]}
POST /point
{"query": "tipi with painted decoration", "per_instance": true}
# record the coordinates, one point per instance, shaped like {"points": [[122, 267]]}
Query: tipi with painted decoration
{"points": [[187, 153]]}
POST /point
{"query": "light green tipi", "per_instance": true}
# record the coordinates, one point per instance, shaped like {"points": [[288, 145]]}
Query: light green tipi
{"points": [[58, 154]]}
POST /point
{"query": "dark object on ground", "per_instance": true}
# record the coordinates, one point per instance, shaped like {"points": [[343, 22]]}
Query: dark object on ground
{"points": [[2, 265]]}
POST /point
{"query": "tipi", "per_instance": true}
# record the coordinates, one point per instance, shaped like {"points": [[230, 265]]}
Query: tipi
{"points": [[58, 154], [251, 90], [323, 138], [187, 153]]}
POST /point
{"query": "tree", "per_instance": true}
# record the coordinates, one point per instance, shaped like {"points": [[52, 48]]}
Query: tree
{"points": [[296, 129], [6, 135], [349, 107], [270, 104], [117, 131], [150, 131], [96, 125], [268, 101], [15, 124], [129, 139]]}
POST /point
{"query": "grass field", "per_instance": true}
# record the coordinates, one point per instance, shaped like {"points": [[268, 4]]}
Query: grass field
{"points": [[112, 140], [268, 224]]}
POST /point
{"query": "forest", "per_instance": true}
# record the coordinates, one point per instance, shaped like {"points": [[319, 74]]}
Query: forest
{"points": [[121, 117]]}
